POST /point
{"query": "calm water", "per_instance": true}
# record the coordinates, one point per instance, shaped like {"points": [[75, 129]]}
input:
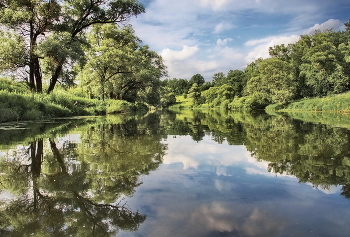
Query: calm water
{"points": [[190, 174]]}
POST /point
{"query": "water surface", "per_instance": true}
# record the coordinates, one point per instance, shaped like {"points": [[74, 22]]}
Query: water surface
{"points": [[189, 174]]}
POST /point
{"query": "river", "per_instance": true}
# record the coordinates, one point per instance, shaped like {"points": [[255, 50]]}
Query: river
{"points": [[194, 173]]}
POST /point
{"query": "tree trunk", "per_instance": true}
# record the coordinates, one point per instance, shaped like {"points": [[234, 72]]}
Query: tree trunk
{"points": [[38, 75], [35, 77], [54, 77], [31, 82], [59, 157], [37, 152]]}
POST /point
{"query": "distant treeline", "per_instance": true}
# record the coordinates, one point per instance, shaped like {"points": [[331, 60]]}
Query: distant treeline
{"points": [[317, 65]]}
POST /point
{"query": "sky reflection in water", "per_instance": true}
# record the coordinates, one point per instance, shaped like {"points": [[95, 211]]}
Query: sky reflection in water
{"points": [[210, 189]]}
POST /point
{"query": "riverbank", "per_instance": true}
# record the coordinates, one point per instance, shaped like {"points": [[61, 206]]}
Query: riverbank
{"points": [[339, 103], [19, 106], [334, 103]]}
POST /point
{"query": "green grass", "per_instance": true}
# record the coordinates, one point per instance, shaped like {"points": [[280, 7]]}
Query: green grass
{"points": [[17, 103], [334, 103], [182, 103]]}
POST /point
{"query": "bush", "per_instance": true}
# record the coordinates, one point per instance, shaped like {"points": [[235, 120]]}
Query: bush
{"points": [[225, 104], [32, 114], [12, 86], [119, 106], [60, 103], [252, 102], [237, 103], [141, 107], [8, 114], [257, 101]]}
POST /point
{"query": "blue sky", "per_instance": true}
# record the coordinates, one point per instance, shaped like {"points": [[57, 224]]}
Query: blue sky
{"points": [[210, 36]]}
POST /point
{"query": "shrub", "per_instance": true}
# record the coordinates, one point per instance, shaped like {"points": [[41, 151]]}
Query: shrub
{"points": [[142, 107], [8, 114], [12, 86], [119, 106], [237, 103], [257, 101], [225, 104], [275, 107], [32, 114]]}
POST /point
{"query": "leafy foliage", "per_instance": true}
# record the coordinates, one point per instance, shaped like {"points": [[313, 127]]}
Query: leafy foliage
{"points": [[50, 25], [118, 67], [315, 66]]}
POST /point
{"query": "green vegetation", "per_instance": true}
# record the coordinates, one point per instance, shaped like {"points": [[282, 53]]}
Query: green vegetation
{"points": [[82, 54], [64, 188], [18, 104], [85, 48], [339, 102], [182, 102], [316, 66], [54, 33], [315, 153]]}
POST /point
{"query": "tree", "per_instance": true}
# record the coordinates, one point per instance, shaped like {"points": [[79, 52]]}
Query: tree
{"points": [[195, 93], [274, 79], [219, 79], [218, 96], [198, 79], [120, 68], [12, 51], [236, 79], [178, 86], [324, 66], [281, 51], [38, 20]]}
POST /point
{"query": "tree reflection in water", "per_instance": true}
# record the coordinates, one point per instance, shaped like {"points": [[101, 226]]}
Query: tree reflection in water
{"points": [[314, 153], [62, 188]]}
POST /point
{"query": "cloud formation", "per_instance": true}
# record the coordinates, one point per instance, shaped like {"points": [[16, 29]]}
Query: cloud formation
{"points": [[206, 36], [221, 27]]}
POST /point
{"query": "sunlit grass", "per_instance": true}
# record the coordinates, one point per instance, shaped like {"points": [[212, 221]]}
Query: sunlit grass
{"points": [[18, 103], [334, 103], [182, 102]]}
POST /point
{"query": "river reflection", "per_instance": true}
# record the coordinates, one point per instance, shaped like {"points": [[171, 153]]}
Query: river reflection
{"points": [[189, 174]]}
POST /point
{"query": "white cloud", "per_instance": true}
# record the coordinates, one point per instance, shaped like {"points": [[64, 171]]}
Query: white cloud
{"points": [[183, 63], [216, 4], [221, 27], [261, 46], [192, 60], [173, 55], [207, 153], [167, 25], [330, 24]]}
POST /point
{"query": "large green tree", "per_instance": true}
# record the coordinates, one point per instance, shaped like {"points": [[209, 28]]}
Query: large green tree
{"points": [[64, 23], [178, 86], [12, 51], [198, 79], [119, 67], [218, 79], [237, 79], [324, 67]]}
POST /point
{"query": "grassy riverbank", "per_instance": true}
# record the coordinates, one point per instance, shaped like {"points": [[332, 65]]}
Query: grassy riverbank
{"points": [[18, 104], [339, 103], [334, 103]]}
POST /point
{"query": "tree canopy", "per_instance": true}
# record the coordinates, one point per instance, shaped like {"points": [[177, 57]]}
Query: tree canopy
{"points": [[119, 67], [47, 26], [316, 65]]}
